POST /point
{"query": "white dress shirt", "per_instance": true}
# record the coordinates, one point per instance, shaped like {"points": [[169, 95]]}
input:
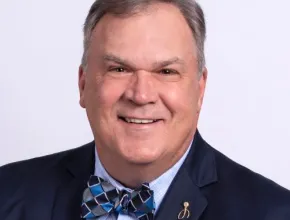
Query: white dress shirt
{"points": [[159, 185]]}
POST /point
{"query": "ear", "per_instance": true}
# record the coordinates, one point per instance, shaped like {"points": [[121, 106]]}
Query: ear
{"points": [[82, 84], [202, 84]]}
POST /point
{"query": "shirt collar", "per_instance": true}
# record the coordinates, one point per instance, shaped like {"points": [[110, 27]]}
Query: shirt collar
{"points": [[160, 185]]}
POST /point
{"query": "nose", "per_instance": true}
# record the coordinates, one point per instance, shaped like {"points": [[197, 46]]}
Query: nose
{"points": [[141, 89]]}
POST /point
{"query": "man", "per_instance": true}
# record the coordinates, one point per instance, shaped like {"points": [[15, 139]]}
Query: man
{"points": [[142, 82]]}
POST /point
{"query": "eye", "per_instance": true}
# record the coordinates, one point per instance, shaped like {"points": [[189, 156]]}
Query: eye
{"points": [[117, 69], [168, 71]]}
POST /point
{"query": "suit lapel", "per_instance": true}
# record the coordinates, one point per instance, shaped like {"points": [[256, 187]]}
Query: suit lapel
{"points": [[175, 198], [40, 196], [68, 201], [60, 188], [197, 171], [69, 194]]}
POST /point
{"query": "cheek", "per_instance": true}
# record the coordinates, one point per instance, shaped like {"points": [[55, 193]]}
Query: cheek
{"points": [[181, 100], [104, 94], [101, 99]]}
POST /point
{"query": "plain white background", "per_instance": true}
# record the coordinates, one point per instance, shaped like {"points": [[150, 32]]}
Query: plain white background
{"points": [[247, 103]]}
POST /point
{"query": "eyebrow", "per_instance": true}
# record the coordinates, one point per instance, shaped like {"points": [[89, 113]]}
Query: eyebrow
{"points": [[157, 64]]}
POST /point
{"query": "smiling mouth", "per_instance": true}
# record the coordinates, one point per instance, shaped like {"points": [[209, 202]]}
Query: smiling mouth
{"points": [[138, 120]]}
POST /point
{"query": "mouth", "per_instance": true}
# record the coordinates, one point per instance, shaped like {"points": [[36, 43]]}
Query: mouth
{"points": [[130, 120]]}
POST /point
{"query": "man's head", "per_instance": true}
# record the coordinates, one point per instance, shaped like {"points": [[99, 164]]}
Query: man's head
{"points": [[142, 78]]}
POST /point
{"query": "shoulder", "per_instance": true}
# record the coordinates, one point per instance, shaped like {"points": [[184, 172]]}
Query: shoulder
{"points": [[14, 175], [250, 189]]}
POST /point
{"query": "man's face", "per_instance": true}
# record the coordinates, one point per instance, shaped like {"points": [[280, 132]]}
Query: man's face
{"points": [[141, 88]]}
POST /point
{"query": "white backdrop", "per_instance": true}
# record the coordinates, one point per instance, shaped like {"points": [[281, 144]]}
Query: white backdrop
{"points": [[247, 103]]}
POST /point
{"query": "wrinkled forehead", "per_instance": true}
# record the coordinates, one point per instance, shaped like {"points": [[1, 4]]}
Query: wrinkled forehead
{"points": [[158, 33]]}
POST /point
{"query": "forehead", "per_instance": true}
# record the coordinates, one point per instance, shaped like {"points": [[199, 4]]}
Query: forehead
{"points": [[160, 32]]}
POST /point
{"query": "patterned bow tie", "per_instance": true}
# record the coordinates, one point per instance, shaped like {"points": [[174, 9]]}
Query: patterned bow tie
{"points": [[102, 198]]}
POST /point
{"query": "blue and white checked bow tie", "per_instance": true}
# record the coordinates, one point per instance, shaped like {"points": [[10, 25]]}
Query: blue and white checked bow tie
{"points": [[102, 198]]}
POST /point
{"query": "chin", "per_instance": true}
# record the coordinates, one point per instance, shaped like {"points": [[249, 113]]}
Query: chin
{"points": [[140, 155]]}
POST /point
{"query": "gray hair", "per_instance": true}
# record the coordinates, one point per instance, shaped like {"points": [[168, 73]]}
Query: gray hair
{"points": [[190, 9]]}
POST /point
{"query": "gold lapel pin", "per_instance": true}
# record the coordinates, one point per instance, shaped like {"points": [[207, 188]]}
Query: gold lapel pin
{"points": [[184, 213]]}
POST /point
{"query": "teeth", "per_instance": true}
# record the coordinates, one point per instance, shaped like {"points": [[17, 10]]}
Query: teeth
{"points": [[139, 121]]}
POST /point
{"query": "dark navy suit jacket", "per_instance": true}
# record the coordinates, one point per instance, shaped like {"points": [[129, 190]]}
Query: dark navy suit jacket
{"points": [[216, 188]]}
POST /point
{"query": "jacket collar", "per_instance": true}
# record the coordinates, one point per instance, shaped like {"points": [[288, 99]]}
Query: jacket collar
{"points": [[200, 163]]}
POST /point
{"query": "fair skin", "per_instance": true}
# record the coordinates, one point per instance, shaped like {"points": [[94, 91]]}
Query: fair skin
{"points": [[142, 67]]}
